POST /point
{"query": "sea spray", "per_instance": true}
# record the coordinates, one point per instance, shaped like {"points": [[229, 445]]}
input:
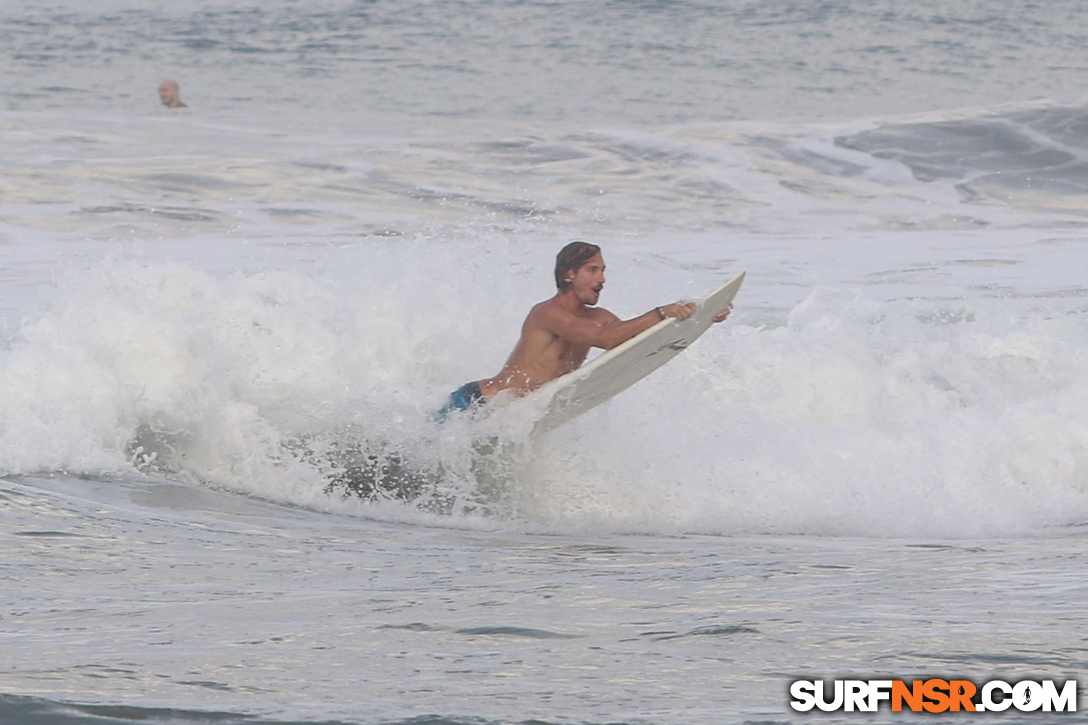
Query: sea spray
{"points": [[854, 416]]}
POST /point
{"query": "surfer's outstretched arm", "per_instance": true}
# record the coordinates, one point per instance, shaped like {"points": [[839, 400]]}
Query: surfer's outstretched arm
{"points": [[601, 328]]}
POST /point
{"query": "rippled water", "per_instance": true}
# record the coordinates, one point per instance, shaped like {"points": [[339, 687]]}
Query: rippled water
{"points": [[353, 64], [211, 317]]}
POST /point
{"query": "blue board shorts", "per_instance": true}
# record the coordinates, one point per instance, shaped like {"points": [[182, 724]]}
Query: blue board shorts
{"points": [[466, 398]]}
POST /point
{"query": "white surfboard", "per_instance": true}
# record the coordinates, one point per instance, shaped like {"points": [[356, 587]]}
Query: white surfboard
{"points": [[621, 367]]}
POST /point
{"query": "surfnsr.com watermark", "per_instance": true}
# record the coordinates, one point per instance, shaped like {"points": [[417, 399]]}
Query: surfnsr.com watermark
{"points": [[935, 695]]}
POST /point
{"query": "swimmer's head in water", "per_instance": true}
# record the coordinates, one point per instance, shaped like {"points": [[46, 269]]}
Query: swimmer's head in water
{"points": [[170, 94]]}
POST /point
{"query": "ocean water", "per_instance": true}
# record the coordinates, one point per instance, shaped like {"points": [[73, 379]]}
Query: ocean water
{"points": [[216, 321]]}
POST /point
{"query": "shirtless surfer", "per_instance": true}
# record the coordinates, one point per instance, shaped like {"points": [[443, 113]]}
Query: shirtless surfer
{"points": [[557, 334]]}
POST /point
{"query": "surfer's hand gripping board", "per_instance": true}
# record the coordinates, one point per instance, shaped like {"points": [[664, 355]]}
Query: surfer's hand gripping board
{"points": [[615, 370]]}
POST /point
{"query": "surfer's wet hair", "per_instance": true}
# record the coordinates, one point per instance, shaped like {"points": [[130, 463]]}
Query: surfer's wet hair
{"points": [[570, 258]]}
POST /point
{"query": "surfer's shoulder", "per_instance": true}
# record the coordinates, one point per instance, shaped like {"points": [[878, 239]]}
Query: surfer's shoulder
{"points": [[601, 316], [552, 313], [549, 309]]}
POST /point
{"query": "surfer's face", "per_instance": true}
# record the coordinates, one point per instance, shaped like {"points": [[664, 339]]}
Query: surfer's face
{"points": [[588, 280]]}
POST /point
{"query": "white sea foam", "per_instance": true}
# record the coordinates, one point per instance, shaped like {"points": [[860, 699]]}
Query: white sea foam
{"points": [[851, 415], [854, 418]]}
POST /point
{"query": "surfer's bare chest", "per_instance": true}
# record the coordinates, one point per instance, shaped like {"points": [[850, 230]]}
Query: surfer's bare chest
{"points": [[567, 355]]}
